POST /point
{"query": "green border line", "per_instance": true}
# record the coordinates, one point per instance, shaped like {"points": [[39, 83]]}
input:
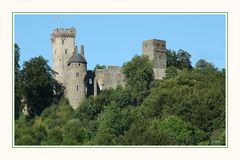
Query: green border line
{"points": [[119, 146]]}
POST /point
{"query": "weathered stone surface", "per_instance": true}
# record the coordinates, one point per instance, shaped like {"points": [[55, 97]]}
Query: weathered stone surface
{"points": [[63, 44], [75, 83], [108, 78], [156, 51]]}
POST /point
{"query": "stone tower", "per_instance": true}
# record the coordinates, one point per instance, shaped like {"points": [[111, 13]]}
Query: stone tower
{"points": [[75, 81], [63, 43], [69, 65], [156, 51]]}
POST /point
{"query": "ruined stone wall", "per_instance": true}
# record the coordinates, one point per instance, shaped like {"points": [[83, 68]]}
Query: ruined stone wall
{"points": [[75, 83], [108, 78]]}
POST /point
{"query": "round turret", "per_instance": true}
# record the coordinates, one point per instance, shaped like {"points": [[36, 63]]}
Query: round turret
{"points": [[76, 77]]}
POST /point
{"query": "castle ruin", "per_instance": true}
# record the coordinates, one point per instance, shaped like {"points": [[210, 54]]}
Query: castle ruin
{"points": [[70, 66]]}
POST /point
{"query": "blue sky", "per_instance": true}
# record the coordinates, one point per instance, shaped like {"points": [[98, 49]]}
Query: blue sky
{"points": [[112, 39]]}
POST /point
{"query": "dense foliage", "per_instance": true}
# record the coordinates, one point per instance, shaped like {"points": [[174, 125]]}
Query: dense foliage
{"points": [[98, 66], [139, 75], [38, 85], [179, 59], [187, 107], [35, 87]]}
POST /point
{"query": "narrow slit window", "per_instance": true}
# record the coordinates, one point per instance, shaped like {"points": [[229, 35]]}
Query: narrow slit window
{"points": [[62, 41], [90, 81], [65, 51], [77, 87], [77, 74]]}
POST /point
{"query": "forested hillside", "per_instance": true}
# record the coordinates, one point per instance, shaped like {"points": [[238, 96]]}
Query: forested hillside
{"points": [[187, 107]]}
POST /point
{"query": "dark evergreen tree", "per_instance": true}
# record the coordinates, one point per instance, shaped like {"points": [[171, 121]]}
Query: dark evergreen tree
{"points": [[183, 58], [37, 79], [17, 82]]}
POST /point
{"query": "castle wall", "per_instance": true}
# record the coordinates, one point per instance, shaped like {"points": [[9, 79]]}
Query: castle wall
{"points": [[76, 83], [72, 70], [108, 78]]}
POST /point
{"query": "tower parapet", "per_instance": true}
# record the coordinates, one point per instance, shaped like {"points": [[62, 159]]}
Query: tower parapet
{"points": [[64, 33]]}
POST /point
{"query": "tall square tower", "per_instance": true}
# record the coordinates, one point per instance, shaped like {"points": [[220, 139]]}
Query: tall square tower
{"points": [[63, 45], [156, 51]]}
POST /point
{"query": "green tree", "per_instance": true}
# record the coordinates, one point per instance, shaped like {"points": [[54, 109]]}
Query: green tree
{"points": [[202, 64], [178, 131], [138, 76], [171, 72], [23, 132], [17, 81], [98, 66], [37, 85], [172, 59], [58, 92], [75, 133], [55, 119], [179, 59], [183, 59], [112, 124]]}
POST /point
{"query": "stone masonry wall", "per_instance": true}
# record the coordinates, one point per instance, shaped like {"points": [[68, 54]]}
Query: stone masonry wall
{"points": [[75, 83], [156, 51], [63, 44], [108, 78]]}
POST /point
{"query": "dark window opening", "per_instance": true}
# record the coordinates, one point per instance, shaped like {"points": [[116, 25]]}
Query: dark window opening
{"points": [[62, 41], [65, 51], [77, 87], [77, 74], [145, 45]]}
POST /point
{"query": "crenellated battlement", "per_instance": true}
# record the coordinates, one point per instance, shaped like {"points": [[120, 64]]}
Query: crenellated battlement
{"points": [[61, 32]]}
